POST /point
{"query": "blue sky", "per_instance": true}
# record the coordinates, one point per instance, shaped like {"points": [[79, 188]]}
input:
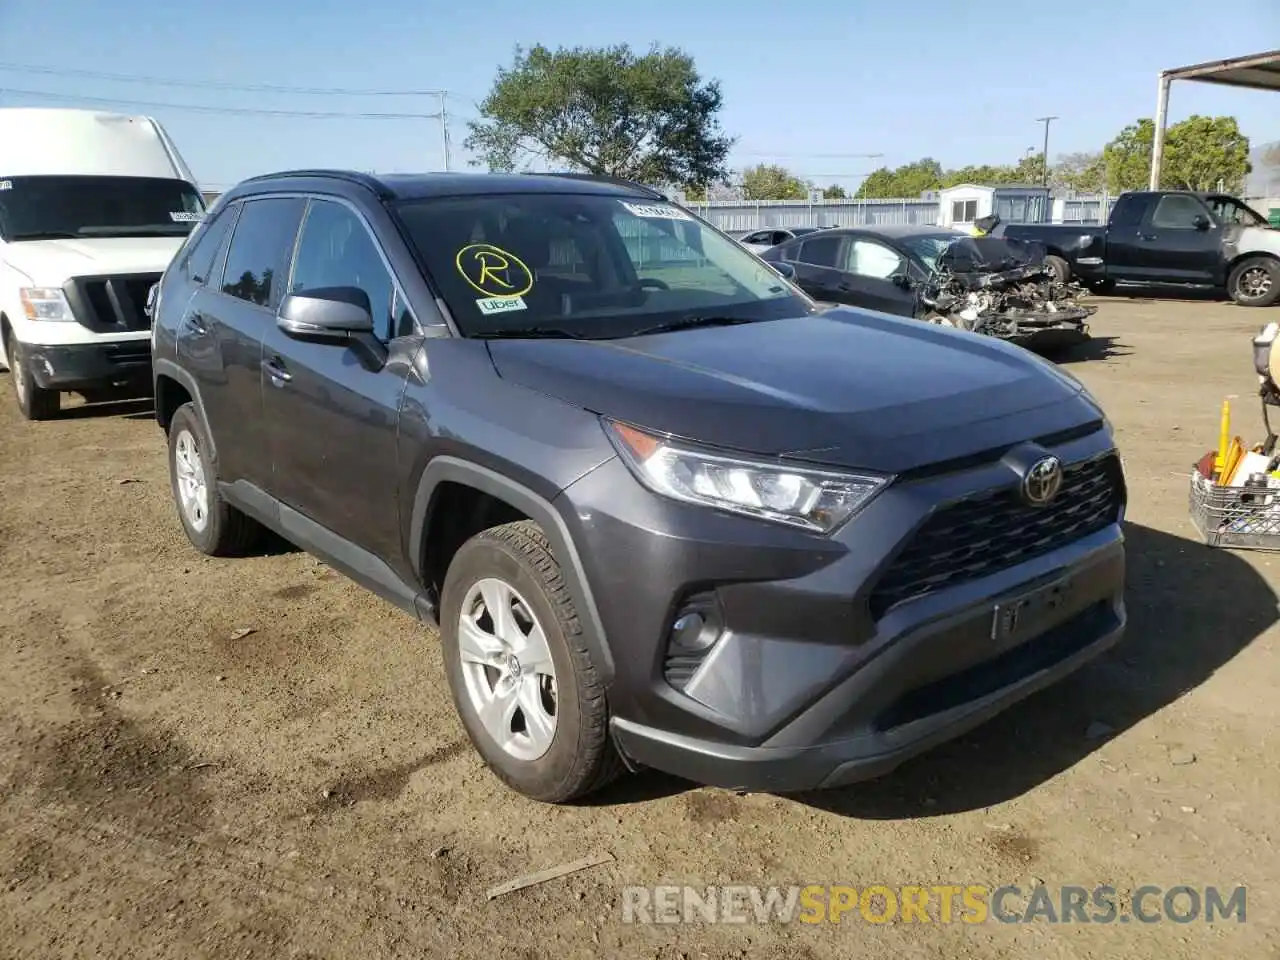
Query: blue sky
{"points": [[808, 85]]}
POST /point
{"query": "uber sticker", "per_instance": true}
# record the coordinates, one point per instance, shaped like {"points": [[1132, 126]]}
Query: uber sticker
{"points": [[183, 216], [491, 305], [662, 211]]}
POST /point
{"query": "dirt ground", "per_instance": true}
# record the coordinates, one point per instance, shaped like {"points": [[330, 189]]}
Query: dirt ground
{"points": [[168, 790]]}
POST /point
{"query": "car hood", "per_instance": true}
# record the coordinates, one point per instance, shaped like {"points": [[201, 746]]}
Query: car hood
{"points": [[848, 387], [52, 262]]}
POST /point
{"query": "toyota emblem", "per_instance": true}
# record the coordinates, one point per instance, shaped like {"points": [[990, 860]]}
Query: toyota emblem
{"points": [[1042, 481]]}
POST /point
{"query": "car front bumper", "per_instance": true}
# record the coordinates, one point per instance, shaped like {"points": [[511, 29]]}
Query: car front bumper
{"points": [[90, 366], [806, 688]]}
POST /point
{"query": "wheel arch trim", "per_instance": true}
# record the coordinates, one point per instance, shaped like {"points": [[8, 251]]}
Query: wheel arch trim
{"points": [[448, 469]]}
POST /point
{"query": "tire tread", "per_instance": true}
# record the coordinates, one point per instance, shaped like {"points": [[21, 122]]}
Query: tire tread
{"points": [[599, 764]]}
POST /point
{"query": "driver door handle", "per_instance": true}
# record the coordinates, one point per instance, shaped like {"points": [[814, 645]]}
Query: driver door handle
{"points": [[274, 368], [195, 322]]}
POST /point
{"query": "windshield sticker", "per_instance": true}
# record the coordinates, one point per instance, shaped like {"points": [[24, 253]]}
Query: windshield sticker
{"points": [[661, 211], [184, 216], [494, 272], [6, 184], [491, 305]]}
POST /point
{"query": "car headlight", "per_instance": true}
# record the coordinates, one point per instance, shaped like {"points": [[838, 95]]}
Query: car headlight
{"points": [[45, 303], [817, 500]]}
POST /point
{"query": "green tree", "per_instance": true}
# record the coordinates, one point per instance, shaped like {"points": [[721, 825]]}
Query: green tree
{"points": [[1201, 151], [769, 181], [1083, 172], [1198, 152], [1127, 158], [834, 192], [647, 117], [908, 180]]}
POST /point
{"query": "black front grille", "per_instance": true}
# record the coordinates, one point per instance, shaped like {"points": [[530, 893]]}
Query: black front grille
{"points": [[113, 304], [990, 532]]}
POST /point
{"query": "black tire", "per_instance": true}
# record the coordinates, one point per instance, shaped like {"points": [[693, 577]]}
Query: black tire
{"points": [[226, 531], [581, 757], [1061, 269], [35, 402], [1255, 282]]}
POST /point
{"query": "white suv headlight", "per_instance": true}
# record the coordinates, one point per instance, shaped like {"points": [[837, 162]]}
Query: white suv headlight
{"points": [[45, 303], [817, 500]]}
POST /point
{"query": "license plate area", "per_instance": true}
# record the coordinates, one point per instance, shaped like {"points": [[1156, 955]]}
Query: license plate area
{"points": [[1019, 618]]}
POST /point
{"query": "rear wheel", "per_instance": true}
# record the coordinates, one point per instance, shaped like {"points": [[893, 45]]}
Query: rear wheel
{"points": [[1061, 269], [520, 674], [35, 402], [1255, 282], [213, 526]]}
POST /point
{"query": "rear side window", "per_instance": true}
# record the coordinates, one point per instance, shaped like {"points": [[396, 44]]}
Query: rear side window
{"points": [[1128, 211], [336, 250], [820, 251], [203, 257], [260, 249]]}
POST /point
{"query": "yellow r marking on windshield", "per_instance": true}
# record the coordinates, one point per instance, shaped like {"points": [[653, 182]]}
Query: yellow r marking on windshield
{"points": [[493, 271]]}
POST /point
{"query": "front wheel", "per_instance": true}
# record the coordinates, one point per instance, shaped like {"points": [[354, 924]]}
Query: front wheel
{"points": [[1255, 282], [519, 672], [35, 402]]}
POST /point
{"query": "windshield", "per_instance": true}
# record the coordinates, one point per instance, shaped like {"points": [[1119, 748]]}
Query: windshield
{"points": [[1231, 210], [43, 208], [928, 247], [587, 265]]}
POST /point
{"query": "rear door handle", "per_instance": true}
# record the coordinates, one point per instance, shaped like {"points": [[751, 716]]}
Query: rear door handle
{"points": [[275, 370], [1146, 236]]}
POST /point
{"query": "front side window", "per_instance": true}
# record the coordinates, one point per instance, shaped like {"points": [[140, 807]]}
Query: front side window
{"points": [[589, 265], [69, 207], [1177, 212], [260, 248], [336, 250], [866, 258]]}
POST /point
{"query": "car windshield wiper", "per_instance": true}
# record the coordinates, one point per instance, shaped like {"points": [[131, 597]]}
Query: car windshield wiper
{"points": [[687, 322], [531, 333]]}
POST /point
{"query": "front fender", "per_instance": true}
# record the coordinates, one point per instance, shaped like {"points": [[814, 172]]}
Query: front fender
{"points": [[443, 469]]}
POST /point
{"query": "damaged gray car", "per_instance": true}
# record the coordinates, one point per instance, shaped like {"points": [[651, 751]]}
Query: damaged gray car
{"points": [[990, 285]]}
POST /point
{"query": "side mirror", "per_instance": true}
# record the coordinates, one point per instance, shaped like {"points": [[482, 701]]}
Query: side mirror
{"points": [[1201, 222], [326, 314], [901, 280], [783, 268]]}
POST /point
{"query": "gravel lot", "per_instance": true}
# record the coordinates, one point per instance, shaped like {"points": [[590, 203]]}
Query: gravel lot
{"points": [[169, 788]]}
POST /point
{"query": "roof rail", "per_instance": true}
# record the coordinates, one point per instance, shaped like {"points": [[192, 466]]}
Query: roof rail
{"points": [[365, 180], [602, 178]]}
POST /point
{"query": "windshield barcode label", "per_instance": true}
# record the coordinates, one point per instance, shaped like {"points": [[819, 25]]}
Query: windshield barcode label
{"points": [[183, 216], [656, 210]]}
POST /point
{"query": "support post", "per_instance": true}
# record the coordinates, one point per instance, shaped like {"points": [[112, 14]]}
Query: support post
{"points": [[1157, 142]]}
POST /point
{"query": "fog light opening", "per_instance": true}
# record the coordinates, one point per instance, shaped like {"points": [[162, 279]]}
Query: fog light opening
{"points": [[694, 631]]}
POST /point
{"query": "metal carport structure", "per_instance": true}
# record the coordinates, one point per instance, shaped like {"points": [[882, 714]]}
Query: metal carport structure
{"points": [[1259, 71]]}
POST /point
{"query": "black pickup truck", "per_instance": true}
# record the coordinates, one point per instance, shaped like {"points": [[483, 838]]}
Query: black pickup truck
{"points": [[1168, 237]]}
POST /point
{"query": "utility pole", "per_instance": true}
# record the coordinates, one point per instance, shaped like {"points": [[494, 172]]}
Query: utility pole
{"points": [[444, 127], [1045, 165]]}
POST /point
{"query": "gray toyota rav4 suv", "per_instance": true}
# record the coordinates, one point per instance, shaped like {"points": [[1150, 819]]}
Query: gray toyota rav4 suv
{"points": [[665, 510]]}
